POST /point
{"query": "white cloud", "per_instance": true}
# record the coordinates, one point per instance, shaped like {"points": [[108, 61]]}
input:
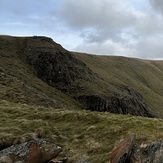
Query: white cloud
{"points": [[115, 27], [129, 27], [157, 4], [106, 48]]}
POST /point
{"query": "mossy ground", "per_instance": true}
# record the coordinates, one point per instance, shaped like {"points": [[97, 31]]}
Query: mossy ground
{"points": [[82, 134]]}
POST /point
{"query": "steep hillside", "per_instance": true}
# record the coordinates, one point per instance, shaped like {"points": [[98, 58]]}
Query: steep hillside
{"points": [[36, 70], [125, 74], [19, 83]]}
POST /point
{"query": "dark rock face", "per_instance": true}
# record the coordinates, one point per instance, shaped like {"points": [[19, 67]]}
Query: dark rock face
{"points": [[53, 64], [120, 105], [37, 151], [129, 152], [133, 93], [153, 153]]}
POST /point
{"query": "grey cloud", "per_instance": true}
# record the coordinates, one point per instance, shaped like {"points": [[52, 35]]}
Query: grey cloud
{"points": [[106, 48], [113, 27], [150, 47], [157, 4], [105, 18]]}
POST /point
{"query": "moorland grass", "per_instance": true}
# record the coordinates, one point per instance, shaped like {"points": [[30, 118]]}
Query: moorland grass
{"points": [[82, 134]]}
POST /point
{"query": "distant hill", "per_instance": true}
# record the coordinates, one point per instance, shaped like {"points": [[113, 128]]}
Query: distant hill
{"points": [[126, 74], [36, 70]]}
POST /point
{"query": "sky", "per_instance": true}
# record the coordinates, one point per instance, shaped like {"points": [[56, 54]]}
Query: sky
{"points": [[132, 28]]}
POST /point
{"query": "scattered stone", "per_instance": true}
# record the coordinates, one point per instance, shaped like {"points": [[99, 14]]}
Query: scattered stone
{"points": [[153, 153], [8, 140], [35, 151]]}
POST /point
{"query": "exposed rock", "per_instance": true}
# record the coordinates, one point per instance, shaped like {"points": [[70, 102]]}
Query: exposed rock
{"points": [[153, 153], [118, 105], [38, 151], [53, 64], [134, 93], [124, 150], [129, 152], [9, 139]]}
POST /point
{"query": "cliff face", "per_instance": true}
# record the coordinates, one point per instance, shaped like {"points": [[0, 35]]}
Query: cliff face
{"points": [[120, 105], [53, 64], [42, 58]]}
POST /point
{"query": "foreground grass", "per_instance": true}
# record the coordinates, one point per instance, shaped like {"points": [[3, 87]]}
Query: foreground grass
{"points": [[83, 135]]}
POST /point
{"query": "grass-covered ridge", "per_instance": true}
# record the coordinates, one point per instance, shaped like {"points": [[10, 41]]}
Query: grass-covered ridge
{"points": [[145, 76], [82, 134]]}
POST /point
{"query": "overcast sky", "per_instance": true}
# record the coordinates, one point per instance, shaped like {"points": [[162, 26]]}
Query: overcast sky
{"points": [[131, 28]]}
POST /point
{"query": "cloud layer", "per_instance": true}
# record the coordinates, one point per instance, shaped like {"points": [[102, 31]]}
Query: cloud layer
{"points": [[113, 27]]}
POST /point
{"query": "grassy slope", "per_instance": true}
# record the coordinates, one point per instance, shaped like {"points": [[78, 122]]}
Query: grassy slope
{"points": [[82, 134], [145, 76], [18, 81], [19, 84]]}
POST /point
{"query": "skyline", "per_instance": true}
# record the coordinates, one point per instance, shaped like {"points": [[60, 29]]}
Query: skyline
{"points": [[131, 28]]}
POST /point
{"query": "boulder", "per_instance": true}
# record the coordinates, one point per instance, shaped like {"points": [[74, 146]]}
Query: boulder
{"points": [[123, 152], [129, 152], [153, 153], [34, 151]]}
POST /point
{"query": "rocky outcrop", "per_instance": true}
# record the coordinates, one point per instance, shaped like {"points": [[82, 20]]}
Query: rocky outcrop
{"points": [[118, 105], [48, 60], [124, 150], [133, 93], [34, 151], [53, 64], [129, 152], [153, 153]]}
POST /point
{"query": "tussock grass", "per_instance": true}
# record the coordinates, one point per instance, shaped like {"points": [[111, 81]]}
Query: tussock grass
{"points": [[84, 135]]}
